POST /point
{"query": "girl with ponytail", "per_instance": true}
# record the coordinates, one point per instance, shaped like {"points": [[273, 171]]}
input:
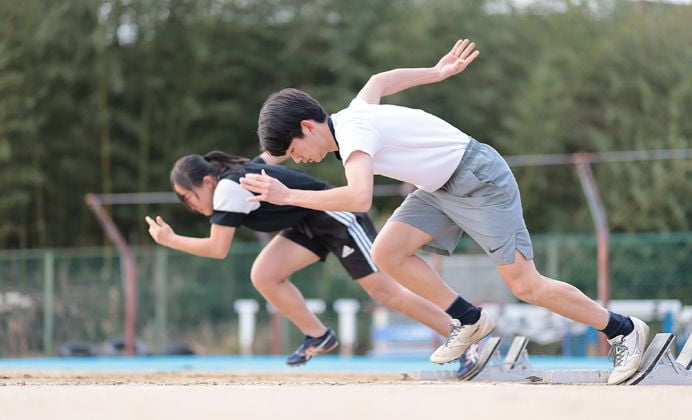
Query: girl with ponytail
{"points": [[210, 185]]}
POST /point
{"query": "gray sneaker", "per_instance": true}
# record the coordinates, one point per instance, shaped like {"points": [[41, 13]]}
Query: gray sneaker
{"points": [[626, 352], [461, 337]]}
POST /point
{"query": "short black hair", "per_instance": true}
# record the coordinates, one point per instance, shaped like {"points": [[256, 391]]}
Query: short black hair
{"points": [[280, 117]]}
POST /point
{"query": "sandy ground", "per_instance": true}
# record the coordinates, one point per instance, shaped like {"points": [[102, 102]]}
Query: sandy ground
{"points": [[193, 378], [202, 395]]}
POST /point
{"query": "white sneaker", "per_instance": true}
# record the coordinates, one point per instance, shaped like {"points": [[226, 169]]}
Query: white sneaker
{"points": [[626, 352], [461, 337]]}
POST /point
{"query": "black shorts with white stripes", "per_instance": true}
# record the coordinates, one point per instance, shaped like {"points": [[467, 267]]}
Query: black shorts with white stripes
{"points": [[347, 235]]}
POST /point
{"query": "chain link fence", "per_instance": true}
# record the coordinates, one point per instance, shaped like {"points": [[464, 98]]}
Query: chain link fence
{"points": [[51, 297]]}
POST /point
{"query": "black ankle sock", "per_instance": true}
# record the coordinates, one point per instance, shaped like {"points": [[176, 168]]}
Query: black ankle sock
{"points": [[322, 336], [465, 312], [618, 325]]}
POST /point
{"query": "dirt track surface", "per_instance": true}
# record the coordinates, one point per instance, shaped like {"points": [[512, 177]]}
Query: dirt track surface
{"points": [[287, 396], [194, 378]]}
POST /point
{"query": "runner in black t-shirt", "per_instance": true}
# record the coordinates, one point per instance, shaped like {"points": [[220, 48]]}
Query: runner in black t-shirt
{"points": [[209, 185]]}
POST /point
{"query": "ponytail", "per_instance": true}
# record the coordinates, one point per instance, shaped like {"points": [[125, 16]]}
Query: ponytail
{"points": [[223, 162], [190, 170]]}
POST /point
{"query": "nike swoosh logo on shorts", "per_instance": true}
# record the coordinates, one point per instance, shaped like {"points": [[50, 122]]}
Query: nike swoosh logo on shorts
{"points": [[492, 251]]}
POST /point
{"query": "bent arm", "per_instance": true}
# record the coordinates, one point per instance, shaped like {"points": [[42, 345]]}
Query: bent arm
{"points": [[355, 196], [394, 81], [216, 245], [397, 80]]}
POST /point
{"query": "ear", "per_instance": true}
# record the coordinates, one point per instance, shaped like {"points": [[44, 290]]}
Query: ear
{"points": [[209, 181], [308, 126]]}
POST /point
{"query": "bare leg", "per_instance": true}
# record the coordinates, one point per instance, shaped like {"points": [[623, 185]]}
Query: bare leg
{"points": [[530, 286], [394, 252], [277, 261], [391, 294]]}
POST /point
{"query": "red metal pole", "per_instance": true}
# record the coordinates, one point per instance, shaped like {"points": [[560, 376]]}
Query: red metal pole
{"points": [[598, 213], [128, 265]]}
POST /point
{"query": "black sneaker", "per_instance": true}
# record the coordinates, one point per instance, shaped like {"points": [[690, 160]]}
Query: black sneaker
{"points": [[312, 347], [468, 362]]}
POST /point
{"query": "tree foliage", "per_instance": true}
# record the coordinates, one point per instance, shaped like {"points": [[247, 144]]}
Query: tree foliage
{"points": [[103, 96]]}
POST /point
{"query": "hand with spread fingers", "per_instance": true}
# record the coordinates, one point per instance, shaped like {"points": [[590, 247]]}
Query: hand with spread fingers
{"points": [[159, 230], [269, 189], [455, 61]]}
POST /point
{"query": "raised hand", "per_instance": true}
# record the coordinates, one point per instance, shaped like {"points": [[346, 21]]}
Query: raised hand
{"points": [[269, 189], [455, 61], [159, 230]]}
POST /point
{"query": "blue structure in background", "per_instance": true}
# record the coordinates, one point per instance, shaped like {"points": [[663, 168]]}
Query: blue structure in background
{"points": [[326, 363]]}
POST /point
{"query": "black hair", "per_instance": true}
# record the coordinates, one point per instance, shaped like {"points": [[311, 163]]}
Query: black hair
{"points": [[280, 117], [190, 170]]}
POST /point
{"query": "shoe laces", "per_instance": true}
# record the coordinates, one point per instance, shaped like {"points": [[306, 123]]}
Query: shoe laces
{"points": [[302, 350], [306, 347], [454, 331], [617, 353]]}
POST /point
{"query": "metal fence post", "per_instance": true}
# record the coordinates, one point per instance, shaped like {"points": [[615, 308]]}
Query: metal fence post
{"points": [[48, 296], [553, 257], [160, 290], [582, 162]]}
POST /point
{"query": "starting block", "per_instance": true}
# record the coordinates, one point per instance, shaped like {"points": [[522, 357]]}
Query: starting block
{"points": [[658, 366], [515, 366]]}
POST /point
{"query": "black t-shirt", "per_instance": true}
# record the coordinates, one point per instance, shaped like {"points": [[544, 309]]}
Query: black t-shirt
{"points": [[232, 209]]}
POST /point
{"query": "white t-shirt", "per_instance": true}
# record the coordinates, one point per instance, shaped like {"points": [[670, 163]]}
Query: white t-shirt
{"points": [[405, 144]]}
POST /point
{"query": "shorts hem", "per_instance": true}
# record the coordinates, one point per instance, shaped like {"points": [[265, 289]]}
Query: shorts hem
{"points": [[428, 248], [357, 277], [513, 259], [435, 250]]}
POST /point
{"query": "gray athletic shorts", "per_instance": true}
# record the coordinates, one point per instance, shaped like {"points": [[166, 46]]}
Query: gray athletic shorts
{"points": [[482, 199]]}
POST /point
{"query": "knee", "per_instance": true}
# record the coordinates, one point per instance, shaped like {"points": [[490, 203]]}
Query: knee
{"points": [[263, 280], [524, 292], [386, 257], [527, 287]]}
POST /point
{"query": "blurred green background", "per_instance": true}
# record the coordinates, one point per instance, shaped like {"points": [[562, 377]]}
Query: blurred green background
{"points": [[104, 96]]}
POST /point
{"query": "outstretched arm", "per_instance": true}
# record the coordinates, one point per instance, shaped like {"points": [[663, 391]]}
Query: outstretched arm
{"points": [[355, 196], [215, 246], [393, 81]]}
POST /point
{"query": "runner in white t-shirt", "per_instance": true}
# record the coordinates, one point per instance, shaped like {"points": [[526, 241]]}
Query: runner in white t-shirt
{"points": [[463, 186]]}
